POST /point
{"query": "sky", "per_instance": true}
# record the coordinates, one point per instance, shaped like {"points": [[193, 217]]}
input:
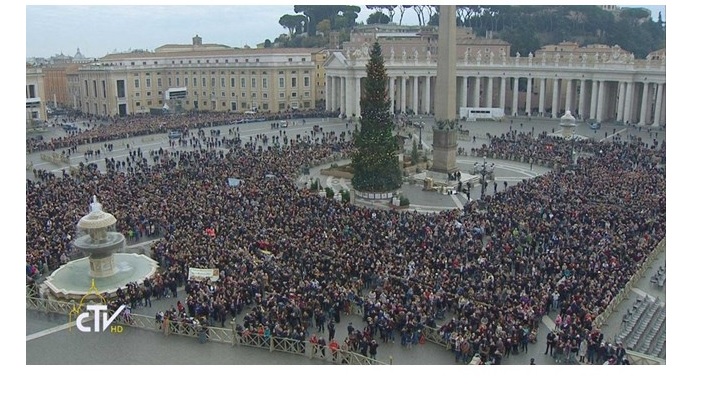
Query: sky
{"points": [[98, 29]]}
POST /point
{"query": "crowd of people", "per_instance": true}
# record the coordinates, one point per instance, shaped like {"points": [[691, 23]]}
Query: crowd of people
{"points": [[292, 260], [105, 129]]}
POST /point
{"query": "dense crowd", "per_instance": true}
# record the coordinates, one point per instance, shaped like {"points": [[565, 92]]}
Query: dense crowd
{"points": [[105, 129], [293, 262]]}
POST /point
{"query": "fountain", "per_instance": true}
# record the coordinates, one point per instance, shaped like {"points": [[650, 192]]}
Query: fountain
{"points": [[105, 268], [568, 125]]}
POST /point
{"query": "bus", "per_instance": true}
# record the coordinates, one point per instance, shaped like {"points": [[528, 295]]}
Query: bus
{"points": [[476, 114]]}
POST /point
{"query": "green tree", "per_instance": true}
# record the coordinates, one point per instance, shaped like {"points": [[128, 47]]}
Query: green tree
{"points": [[389, 11], [293, 23], [324, 26], [339, 16], [375, 161], [267, 43], [377, 17]]}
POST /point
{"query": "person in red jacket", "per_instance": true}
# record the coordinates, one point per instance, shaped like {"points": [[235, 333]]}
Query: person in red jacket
{"points": [[314, 341], [334, 347]]}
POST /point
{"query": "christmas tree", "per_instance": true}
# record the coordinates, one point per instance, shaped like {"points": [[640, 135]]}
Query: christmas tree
{"points": [[375, 161]]}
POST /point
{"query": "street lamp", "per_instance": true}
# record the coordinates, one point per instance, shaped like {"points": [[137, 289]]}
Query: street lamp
{"points": [[421, 125], [483, 172]]}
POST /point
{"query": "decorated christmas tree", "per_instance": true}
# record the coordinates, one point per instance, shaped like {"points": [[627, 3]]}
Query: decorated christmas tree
{"points": [[375, 161]]}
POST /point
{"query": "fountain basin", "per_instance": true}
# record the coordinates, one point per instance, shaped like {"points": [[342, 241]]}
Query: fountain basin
{"points": [[73, 280]]}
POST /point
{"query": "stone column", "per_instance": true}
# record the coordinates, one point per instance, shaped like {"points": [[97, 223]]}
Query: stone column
{"points": [[463, 84], [515, 99], [392, 97], [601, 100], [502, 94], [621, 100], [415, 92], [336, 88], [403, 94], [343, 95], [594, 98], [529, 92], [554, 99], [569, 95], [427, 94], [490, 93], [445, 139], [542, 97], [659, 106], [336, 85], [350, 96], [327, 92], [357, 96], [476, 94], [628, 104], [644, 105], [582, 100]]}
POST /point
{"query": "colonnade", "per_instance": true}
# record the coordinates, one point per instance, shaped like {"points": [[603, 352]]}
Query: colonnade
{"points": [[628, 100]]}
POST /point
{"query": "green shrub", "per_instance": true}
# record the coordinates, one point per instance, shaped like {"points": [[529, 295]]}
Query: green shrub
{"points": [[329, 191], [403, 201]]}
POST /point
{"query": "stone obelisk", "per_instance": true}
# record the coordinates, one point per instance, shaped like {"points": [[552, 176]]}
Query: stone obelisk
{"points": [[445, 95]]}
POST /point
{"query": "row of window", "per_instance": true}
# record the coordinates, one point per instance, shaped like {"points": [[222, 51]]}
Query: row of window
{"points": [[148, 83], [221, 72], [233, 104], [232, 82], [223, 94], [207, 61]]}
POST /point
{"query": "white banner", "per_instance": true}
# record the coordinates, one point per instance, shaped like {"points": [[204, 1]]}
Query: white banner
{"points": [[198, 273]]}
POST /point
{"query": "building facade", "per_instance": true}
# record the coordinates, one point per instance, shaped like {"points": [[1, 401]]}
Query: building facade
{"points": [[213, 77], [596, 82], [35, 104]]}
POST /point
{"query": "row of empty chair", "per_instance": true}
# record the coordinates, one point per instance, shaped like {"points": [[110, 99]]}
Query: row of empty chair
{"points": [[643, 327]]}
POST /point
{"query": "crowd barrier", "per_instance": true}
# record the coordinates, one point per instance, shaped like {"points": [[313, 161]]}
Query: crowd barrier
{"points": [[602, 318], [56, 158], [214, 334]]}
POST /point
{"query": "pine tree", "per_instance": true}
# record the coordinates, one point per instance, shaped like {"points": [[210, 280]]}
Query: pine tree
{"points": [[375, 161]]}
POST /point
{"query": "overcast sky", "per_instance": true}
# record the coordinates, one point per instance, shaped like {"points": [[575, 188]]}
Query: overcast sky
{"points": [[101, 29]]}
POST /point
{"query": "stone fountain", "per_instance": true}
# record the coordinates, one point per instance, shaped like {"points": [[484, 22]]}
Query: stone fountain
{"points": [[104, 268]]}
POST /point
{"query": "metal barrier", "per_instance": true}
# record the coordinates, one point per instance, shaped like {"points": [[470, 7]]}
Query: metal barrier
{"points": [[433, 335], [634, 357], [214, 334], [56, 158], [48, 306], [602, 318]]}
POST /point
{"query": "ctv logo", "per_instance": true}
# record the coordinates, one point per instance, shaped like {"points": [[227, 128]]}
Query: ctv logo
{"points": [[100, 323]]}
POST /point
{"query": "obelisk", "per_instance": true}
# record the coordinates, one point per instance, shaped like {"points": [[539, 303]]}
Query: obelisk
{"points": [[445, 95]]}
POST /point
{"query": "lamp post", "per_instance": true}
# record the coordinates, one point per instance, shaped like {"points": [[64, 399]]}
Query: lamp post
{"points": [[421, 126], [483, 172]]}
